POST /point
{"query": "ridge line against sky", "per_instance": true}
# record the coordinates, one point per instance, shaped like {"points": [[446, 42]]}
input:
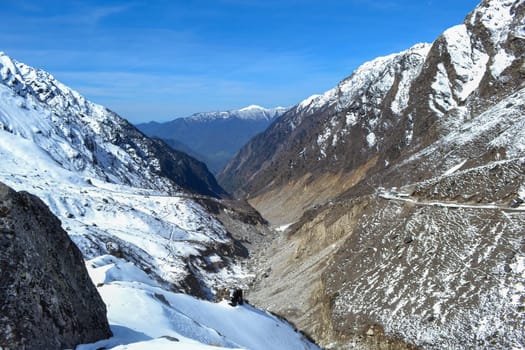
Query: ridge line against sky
{"points": [[160, 59]]}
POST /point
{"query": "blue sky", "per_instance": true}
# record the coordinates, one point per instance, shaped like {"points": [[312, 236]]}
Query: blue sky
{"points": [[160, 59]]}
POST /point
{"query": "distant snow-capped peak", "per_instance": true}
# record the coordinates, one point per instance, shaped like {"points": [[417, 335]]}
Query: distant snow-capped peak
{"points": [[252, 112], [251, 107]]}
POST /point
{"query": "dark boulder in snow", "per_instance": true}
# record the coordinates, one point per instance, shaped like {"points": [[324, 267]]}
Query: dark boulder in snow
{"points": [[47, 300]]}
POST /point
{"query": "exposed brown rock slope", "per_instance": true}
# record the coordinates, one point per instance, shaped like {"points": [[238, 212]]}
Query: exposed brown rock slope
{"points": [[418, 236], [385, 111]]}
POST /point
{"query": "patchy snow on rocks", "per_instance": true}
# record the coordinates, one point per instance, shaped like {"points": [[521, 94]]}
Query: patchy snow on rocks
{"points": [[443, 100], [468, 62], [418, 55], [411, 280], [371, 139], [497, 18], [357, 100], [499, 127]]}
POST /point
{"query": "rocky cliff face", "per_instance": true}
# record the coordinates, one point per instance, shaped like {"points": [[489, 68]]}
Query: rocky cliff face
{"points": [[405, 185], [386, 110], [47, 300]]}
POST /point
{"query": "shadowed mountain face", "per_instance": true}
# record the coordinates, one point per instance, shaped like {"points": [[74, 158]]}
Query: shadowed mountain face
{"points": [[405, 186], [213, 137], [47, 299]]}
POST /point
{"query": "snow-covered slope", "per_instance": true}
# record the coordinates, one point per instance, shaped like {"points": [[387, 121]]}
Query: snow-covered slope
{"points": [[88, 138], [168, 320], [129, 203]]}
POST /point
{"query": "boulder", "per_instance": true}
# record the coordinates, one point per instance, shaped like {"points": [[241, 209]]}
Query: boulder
{"points": [[47, 300]]}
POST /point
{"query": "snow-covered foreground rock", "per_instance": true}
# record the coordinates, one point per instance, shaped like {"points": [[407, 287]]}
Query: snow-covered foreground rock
{"points": [[143, 315]]}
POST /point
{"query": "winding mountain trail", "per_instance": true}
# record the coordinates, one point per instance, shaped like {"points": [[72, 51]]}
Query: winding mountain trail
{"points": [[405, 197]]}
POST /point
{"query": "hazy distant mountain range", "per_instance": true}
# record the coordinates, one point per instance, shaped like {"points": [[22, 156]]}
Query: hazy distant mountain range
{"points": [[214, 137]]}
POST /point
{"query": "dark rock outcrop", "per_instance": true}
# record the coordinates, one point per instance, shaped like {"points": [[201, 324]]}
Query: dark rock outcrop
{"points": [[47, 300]]}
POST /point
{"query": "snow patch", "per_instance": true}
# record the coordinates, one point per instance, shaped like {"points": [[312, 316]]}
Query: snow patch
{"points": [[469, 62], [283, 228], [496, 17], [443, 100], [315, 102], [502, 60], [455, 168], [419, 53], [350, 119], [250, 108], [371, 139]]}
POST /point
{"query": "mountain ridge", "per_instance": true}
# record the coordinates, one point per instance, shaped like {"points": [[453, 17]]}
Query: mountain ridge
{"points": [[91, 138], [403, 191], [375, 111]]}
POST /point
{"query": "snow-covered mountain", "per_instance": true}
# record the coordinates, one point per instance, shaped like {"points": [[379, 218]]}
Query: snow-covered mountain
{"points": [[386, 109], [214, 137], [90, 139], [252, 112], [106, 181], [404, 187], [114, 189], [150, 218]]}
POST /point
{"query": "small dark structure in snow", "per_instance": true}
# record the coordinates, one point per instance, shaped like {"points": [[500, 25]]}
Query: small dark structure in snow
{"points": [[236, 297]]}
